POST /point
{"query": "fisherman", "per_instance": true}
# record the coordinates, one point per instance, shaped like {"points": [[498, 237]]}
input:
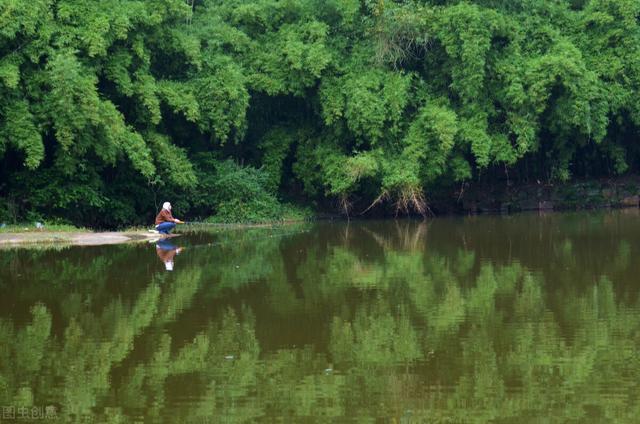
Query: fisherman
{"points": [[165, 222]]}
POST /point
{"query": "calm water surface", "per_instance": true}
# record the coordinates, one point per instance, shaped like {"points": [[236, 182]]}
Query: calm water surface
{"points": [[522, 319]]}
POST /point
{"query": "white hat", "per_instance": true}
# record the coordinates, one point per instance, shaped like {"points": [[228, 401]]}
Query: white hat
{"points": [[166, 205]]}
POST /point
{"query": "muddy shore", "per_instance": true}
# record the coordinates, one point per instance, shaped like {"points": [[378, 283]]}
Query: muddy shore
{"points": [[76, 239]]}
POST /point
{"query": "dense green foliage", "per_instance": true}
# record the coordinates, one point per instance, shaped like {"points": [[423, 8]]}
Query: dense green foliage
{"points": [[108, 108]]}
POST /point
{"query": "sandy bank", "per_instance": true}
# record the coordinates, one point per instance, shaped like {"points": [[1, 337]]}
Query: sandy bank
{"points": [[77, 239]]}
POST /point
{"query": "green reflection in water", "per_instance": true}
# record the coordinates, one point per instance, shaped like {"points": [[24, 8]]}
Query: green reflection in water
{"points": [[504, 319]]}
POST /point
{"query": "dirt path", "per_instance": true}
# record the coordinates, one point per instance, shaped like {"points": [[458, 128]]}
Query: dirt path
{"points": [[77, 239]]}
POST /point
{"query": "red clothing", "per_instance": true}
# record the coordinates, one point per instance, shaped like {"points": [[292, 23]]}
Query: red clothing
{"points": [[164, 216]]}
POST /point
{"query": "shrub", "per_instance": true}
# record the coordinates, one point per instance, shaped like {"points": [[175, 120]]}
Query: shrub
{"points": [[239, 194]]}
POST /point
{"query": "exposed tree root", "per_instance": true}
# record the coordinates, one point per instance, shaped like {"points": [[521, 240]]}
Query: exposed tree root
{"points": [[383, 197], [411, 198], [345, 204], [408, 200]]}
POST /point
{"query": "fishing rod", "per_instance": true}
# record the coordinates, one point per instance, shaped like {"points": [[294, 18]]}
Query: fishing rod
{"points": [[209, 224], [222, 224]]}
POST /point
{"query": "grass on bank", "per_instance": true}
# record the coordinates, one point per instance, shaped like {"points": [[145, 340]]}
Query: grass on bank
{"points": [[254, 212], [258, 210], [239, 219], [45, 227]]}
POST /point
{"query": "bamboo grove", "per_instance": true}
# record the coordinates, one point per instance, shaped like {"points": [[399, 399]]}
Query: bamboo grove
{"points": [[239, 107]]}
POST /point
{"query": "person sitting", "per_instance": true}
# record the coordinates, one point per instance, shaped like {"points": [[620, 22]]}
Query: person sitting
{"points": [[165, 222]]}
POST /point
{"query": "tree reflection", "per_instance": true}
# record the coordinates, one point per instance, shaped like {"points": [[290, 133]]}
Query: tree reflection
{"points": [[403, 328]]}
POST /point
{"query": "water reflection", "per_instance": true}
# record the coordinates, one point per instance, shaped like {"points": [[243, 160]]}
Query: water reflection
{"points": [[166, 252], [490, 319]]}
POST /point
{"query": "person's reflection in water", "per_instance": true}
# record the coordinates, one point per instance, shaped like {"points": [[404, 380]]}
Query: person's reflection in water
{"points": [[166, 251]]}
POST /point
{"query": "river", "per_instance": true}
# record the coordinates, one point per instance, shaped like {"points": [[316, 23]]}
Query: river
{"points": [[523, 318]]}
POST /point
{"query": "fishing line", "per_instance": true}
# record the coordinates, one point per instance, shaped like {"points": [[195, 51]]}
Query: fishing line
{"points": [[253, 239]]}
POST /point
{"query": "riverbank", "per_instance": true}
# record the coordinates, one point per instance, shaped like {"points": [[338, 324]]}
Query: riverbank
{"points": [[30, 236], [538, 196], [77, 238], [474, 199]]}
